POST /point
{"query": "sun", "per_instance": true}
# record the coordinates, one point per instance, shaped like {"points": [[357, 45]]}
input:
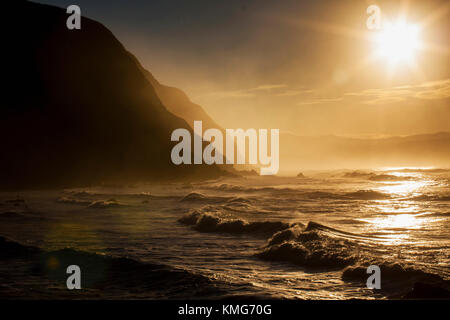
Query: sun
{"points": [[397, 42]]}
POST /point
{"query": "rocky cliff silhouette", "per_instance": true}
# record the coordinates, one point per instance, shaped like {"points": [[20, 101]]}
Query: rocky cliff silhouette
{"points": [[78, 110]]}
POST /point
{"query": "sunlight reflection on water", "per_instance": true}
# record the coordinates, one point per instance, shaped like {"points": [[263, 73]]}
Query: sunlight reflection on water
{"points": [[403, 188], [409, 221], [401, 216]]}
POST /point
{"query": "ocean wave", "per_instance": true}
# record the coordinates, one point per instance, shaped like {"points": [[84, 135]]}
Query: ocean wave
{"points": [[315, 255], [20, 216], [391, 271], [318, 247], [91, 204], [109, 274], [356, 174], [367, 195], [421, 290], [335, 232], [212, 222], [239, 208], [299, 193], [389, 177], [425, 197], [400, 280], [286, 235], [149, 196], [322, 195], [241, 205], [239, 201], [103, 204], [312, 246], [18, 202], [198, 197], [315, 245], [376, 177], [193, 197], [238, 188], [227, 187], [350, 221], [15, 201], [433, 170], [70, 200], [357, 195], [10, 249], [80, 193]]}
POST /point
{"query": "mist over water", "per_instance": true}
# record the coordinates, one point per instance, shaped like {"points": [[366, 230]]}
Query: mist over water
{"points": [[309, 237]]}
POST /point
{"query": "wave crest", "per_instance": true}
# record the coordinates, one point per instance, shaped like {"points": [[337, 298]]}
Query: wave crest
{"points": [[315, 255], [315, 245], [102, 204], [212, 222]]}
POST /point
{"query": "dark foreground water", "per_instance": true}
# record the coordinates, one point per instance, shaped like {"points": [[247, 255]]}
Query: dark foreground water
{"points": [[265, 237]]}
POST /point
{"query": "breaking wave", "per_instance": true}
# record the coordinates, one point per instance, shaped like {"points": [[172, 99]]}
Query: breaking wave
{"points": [[102, 204], [308, 256], [193, 196], [212, 222], [198, 197], [313, 246], [320, 247]]}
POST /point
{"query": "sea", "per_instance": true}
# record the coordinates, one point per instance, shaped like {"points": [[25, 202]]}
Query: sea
{"points": [[262, 237]]}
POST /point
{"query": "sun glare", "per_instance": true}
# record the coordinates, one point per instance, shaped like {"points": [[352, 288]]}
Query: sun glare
{"points": [[397, 42]]}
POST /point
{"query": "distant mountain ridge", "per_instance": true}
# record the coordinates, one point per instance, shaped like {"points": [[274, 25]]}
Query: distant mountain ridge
{"points": [[180, 105], [78, 110], [333, 152]]}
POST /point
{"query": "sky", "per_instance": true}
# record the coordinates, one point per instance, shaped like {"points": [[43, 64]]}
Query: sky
{"points": [[304, 67]]}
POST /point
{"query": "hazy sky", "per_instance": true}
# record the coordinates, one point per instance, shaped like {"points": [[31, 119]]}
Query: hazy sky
{"points": [[302, 66]]}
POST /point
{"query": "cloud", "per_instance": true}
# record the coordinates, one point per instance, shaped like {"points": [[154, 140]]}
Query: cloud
{"points": [[293, 93], [268, 87], [231, 94], [283, 94], [266, 90], [249, 92], [319, 101], [425, 91]]}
